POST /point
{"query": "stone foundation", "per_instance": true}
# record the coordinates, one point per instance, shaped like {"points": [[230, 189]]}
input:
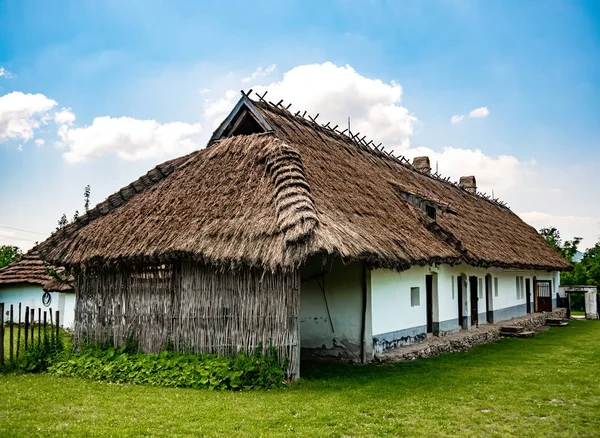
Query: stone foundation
{"points": [[466, 339]]}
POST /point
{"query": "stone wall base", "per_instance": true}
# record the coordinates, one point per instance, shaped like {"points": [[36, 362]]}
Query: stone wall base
{"points": [[467, 338]]}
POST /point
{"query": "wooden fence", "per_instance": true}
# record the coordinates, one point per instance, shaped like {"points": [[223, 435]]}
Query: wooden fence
{"points": [[46, 327]]}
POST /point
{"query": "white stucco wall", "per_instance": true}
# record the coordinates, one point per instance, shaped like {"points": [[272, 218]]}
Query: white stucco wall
{"points": [[339, 329], [31, 295], [391, 297]]}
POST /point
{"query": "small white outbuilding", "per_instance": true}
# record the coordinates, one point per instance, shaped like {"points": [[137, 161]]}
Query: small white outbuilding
{"points": [[27, 281]]}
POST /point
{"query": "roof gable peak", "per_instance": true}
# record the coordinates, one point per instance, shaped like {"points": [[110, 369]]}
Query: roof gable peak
{"points": [[244, 119]]}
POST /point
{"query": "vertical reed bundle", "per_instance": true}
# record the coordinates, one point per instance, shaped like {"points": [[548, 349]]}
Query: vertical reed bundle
{"points": [[193, 308]]}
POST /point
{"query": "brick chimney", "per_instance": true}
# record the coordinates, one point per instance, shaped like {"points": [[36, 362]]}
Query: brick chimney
{"points": [[422, 164], [468, 183]]}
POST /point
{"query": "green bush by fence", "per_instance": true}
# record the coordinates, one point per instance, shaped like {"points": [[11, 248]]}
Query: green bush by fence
{"points": [[171, 369]]}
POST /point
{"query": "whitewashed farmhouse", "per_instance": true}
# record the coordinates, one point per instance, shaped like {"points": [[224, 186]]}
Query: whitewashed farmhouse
{"points": [[26, 281], [287, 231]]}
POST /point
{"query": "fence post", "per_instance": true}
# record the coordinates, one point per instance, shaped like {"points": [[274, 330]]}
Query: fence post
{"points": [[11, 333], [1, 334], [39, 327], [57, 324], [31, 321], [19, 333], [51, 327], [26, 325], [45, 325]]}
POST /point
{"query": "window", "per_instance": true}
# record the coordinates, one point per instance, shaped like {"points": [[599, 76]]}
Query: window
{"points": [[453, 287], [431, 212], [495, 286], [480, 288], [520, 288], [415, 297]]}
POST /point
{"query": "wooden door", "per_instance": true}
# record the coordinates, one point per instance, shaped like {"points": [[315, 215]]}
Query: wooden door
{"points": [[488, 299], [474, 300], [544, 296], [528, 294], [429, 295], [459, 288]]}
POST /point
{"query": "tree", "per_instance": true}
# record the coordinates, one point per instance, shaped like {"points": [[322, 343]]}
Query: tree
{"points": [[9, 254], [86, 198], [568, 249]]}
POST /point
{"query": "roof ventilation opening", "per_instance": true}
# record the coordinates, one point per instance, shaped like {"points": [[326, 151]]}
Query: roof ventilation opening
{"points": [[243, 124], [468, 183], [431, 211], [422, 164]]}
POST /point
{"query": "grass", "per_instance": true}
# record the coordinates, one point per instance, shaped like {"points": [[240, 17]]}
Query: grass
{"points": [[577, 312], [543, 386], [15, 340]]}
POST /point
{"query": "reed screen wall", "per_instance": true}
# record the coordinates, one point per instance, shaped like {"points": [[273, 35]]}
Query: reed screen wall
{"points": [[192, 308]]}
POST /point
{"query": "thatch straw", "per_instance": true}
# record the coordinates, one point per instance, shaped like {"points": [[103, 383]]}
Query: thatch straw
{"points": [[271, 200], [30, 269]]}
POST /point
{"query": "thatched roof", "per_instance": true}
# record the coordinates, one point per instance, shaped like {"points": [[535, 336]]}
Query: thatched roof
{"points": [[30, 269], [273, 198]]}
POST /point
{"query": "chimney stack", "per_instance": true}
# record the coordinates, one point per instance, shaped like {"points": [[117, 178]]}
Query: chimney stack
{"points": [[468, 183], [422, 164]]}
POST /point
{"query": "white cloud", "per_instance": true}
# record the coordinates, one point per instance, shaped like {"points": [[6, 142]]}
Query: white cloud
{"points": [[337, 93], [204, 90], [457, 118], [128, 138], [5, 73], [479, 112], [64, 116], [498, 174], [259, 73], [40, 142], [21, 114], [217, 109], [570, 226]]}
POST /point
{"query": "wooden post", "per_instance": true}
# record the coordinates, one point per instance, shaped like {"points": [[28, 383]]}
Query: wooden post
{"points": [[26, 325], [39, 327], [51, 327], [19, 333], [45, 325], [57, 324], [31, 320], [1, 334], [11, 340]]}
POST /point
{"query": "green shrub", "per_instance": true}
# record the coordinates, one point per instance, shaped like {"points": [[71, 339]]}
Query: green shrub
{"points": [[172, 369], [39, 354]]}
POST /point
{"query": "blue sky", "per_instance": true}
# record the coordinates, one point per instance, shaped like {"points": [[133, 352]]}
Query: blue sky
{"points": [[150, 67]]}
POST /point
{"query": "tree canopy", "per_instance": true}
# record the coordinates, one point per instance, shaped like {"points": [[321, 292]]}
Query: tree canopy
{"points": [[586, 271], [9, 254]]}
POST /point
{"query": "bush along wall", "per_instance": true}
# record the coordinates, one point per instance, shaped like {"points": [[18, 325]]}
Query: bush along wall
{"points": [[244, 371]]}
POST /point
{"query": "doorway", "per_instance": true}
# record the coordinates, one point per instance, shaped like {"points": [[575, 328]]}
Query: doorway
{"points": [[488, 302], [528, 294], [474, 300], [459, 289], [429, 298], [544, 295]]}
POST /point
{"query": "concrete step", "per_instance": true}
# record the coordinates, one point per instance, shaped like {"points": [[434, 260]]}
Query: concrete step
{"points": [[553, 321], [557, 324], [522, 334], [511, 329]]}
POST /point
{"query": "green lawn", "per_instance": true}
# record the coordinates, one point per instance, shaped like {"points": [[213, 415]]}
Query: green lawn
{"points": [[544, 386]]}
